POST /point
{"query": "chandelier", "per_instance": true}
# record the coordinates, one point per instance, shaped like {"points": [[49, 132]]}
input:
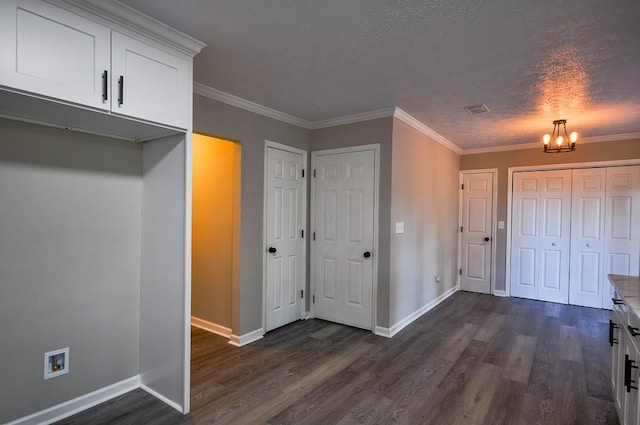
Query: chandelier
{"points": [[560, 143]]}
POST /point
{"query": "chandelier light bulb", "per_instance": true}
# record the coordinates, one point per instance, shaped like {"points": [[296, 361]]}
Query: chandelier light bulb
{"points": [[573, 137], [559, 140], [546, 139]]}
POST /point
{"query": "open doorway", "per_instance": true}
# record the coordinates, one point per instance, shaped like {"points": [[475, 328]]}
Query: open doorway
{"points": [[215, 232]]}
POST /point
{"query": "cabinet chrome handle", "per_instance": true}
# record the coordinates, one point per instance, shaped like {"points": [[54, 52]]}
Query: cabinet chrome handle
{"points": [[633, 331], [105, 85], [617, 302], [120, 90], [612, 326]]}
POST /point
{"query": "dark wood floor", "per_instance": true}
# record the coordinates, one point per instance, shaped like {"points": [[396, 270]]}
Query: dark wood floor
{"points": [[475, 359]]}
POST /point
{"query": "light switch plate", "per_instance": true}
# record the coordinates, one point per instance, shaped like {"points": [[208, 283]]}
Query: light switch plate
{"points": [[500, 224], [399, 226]]}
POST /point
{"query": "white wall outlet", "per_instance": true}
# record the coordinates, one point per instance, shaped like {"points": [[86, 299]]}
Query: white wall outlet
{"points": [[56, 363], [399, 226], [436, 279]]}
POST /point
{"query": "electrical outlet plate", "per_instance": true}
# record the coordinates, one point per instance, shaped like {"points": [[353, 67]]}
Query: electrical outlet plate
{"points": [[56, 363]]}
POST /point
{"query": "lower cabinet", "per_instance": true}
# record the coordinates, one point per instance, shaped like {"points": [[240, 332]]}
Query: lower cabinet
{"points": [[624, 338]]}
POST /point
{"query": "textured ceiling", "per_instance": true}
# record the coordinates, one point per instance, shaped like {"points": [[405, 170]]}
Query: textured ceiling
{"points": [[529, 61]]}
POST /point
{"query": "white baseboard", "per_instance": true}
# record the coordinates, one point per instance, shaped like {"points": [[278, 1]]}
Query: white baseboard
{"points": [[248, 338], [162, 398], [78, 404], [390, 332], [210, 327], [500, 293]]}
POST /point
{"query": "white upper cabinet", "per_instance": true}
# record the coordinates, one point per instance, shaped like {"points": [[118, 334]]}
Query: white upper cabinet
{"points": [[51, 52], [148, 83]]}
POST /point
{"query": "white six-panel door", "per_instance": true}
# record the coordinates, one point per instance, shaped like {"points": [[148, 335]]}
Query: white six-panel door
{"points": [[541, 235], [477, 205], [343, 246], [622, 227], [285, 219], [587, 237], [604, 233]]}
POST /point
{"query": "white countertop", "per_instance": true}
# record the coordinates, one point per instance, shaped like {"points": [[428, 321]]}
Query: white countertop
{"points": [[629, 288]]}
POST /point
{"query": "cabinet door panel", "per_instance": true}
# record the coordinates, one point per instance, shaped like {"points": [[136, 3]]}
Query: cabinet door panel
{"points": [[54, 53], [154, 85]]}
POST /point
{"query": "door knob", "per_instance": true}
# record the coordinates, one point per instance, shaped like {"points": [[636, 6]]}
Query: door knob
{"points": [[487, 239], [272, 250], [367, 254], [588, 245], [553, 244]]}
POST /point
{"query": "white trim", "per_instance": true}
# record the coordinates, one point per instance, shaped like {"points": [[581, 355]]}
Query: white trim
{"points": [[376, 225], [500, 293], [78, 404], [396, 112], [136, 21], [163, 399], [248, 105], [188, 254], [248, 338], [575, 165], [594, 139], [214, 328], [390, 332], [286, 148], [494, 223], [354, 118], [422, 128]]}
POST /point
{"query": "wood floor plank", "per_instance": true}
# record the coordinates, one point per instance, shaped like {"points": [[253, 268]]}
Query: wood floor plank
{"points": [[490, 327], [302, 386], [458, 342], [570, 345], [520, 360], [506, 405], [474, 403]]}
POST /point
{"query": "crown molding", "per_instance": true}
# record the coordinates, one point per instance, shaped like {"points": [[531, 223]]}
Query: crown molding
{"points": [[354, 118], [136, 21], [248, 105], [522, 146], [432, 134], [395, 112]]}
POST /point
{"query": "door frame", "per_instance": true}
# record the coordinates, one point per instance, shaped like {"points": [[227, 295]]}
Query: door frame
{"points": [[564, 166], [376, 201], [494, 223], [274, 145]]}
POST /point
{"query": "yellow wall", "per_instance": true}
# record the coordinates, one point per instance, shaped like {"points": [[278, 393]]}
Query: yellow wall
{"points": [[216, 189], [588, 152]]}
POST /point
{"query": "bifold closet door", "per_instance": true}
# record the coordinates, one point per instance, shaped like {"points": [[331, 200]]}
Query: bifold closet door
{"points": [[587, 237], [622, 225], [541, 235]]}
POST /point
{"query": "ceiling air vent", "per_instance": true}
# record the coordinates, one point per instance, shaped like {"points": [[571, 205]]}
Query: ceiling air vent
{"points": [[478, 109]]}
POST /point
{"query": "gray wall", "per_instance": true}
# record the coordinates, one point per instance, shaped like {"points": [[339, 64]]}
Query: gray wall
{"points": [[365, 133], [162, 307], [250, 130], [70, 225], [589, 152], [424, 195]]}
